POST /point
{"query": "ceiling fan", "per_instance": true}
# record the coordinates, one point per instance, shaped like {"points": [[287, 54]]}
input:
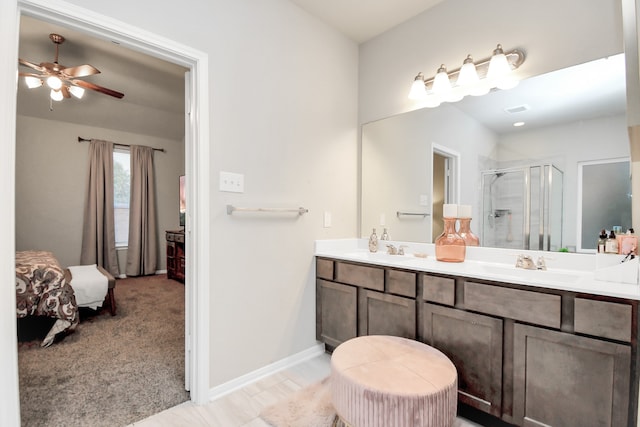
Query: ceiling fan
{"points": [[63, 81]]}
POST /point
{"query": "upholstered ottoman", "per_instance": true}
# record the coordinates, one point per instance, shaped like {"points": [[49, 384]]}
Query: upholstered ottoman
{"points": [[384, 381]]}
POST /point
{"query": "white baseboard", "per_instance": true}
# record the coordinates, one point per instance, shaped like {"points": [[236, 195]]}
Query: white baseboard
{"points": [[252, 377], [161, 272]]}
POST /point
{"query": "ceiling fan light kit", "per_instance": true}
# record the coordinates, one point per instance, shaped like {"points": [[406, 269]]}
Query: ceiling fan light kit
{"points": [[473, 78], [63, 81]]}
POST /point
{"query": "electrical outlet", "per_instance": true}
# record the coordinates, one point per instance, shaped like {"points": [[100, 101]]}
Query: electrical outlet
{"points": [[383, 219], [232, 182]]}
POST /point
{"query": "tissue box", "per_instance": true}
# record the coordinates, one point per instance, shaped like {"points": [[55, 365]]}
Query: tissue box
{"points": [[610, 268]]}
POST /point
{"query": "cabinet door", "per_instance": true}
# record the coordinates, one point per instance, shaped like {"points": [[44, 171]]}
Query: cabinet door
{"points": [[336, 311], [473, 342], [569, 380], [384, 314]]}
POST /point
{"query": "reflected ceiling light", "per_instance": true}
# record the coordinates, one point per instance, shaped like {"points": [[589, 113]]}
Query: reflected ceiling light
{"points": [[56, 95], [471, 79], [418, 89], [518, 124]]}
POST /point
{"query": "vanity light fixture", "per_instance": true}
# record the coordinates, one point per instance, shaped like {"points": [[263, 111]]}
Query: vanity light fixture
{"points": [[474, 79]]}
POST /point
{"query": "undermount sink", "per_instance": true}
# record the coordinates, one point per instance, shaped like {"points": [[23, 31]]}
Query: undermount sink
{"points": [[378, 256], [542, 275]]}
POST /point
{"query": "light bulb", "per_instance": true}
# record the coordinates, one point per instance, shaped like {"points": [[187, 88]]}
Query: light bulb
{"points": [[441, 83], [499, 67], [468, 75], [76, 91], [56, 95], [418, 89], [32, 82], [54, 83]]}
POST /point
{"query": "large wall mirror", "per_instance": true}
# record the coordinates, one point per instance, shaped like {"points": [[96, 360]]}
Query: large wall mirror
{"points": [[522, 182]]}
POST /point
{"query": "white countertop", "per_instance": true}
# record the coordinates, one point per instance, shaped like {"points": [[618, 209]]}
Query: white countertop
{"points": [[565, 271]]}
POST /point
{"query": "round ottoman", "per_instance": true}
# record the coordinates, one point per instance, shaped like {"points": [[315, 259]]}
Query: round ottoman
{"points": [[384, 381]]}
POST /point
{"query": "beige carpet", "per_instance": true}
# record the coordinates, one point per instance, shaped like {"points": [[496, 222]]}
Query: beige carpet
{"points": [[308, 407], [111, 371]]}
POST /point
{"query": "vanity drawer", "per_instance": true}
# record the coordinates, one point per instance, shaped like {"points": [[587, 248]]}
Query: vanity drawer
{"points": [[324, 268], [439, 289], [401, 283], [360, 275], [603, 319], [527, 306]]}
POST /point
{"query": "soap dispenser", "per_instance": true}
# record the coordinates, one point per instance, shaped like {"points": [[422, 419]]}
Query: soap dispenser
{"points": [[602, 241], [385, 235], [373, 242], [611, 245]]}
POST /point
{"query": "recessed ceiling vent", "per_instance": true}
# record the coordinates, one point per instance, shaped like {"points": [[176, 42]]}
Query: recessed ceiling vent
{"points": [[517, 109]]}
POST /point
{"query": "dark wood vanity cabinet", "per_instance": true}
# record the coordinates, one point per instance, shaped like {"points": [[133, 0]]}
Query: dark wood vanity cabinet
{"points": [[473, 342], [385, 314], [562, 379], [336, 313], [175, 255], [530, 356]]}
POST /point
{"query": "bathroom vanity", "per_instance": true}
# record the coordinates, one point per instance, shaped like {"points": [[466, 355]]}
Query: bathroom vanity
{"points": [[534, 348]]}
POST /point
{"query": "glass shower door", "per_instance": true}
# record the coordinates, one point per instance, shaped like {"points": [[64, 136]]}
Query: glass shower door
{"points": [[503, 208]]}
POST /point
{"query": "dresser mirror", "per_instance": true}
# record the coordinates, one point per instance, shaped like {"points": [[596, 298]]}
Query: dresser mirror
{"points": [[521, 182]]}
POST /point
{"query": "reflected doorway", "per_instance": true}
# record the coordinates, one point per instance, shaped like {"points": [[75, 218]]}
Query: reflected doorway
{"points": [[444, 185]]}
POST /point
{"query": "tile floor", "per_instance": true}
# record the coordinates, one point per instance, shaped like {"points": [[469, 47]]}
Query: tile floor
{"points": [[242, 407]]}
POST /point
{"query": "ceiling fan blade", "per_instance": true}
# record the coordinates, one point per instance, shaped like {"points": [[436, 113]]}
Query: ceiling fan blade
{"points": [[92, 86], [32, 65], [81, 71], [65, 91], [39, 76]]}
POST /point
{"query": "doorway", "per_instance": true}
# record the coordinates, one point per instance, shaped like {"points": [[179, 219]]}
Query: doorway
{"points": [[196, 167], [444, 185]]}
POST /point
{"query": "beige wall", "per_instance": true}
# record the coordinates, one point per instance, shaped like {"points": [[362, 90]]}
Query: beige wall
{"points": [[283, 112], [51, 174]]}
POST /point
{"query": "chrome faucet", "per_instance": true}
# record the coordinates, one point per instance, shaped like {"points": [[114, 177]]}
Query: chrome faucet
{"points": [[526, 262], [541, 263], [392, 250]]}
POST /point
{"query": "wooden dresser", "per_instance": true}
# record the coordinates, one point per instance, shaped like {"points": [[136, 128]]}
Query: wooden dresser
{"points": [[175, 254]]}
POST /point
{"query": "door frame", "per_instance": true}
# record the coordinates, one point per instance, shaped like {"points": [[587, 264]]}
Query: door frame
{"points": [[197, 159]]}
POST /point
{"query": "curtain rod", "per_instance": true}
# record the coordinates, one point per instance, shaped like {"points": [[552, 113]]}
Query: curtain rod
{"points": [[81, 139]]}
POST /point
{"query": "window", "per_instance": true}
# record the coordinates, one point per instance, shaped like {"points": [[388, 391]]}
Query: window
{"points": [[121, 190], [604, 188]]}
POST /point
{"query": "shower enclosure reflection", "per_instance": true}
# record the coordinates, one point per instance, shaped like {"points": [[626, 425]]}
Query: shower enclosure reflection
{"points": [[522, 208]]}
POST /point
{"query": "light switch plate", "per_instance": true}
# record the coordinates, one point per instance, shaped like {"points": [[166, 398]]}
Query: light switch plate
{"points": [[232, 182], [327, 219]]}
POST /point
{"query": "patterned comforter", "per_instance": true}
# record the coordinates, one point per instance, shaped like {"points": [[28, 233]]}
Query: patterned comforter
{"points": [[41, 290]]}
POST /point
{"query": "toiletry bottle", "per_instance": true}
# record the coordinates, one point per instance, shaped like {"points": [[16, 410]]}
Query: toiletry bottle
{"points": [[450, 247], [373, 242], [628, 243], [602, 241], [611, 246], [464, 216], [385, 235]]}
